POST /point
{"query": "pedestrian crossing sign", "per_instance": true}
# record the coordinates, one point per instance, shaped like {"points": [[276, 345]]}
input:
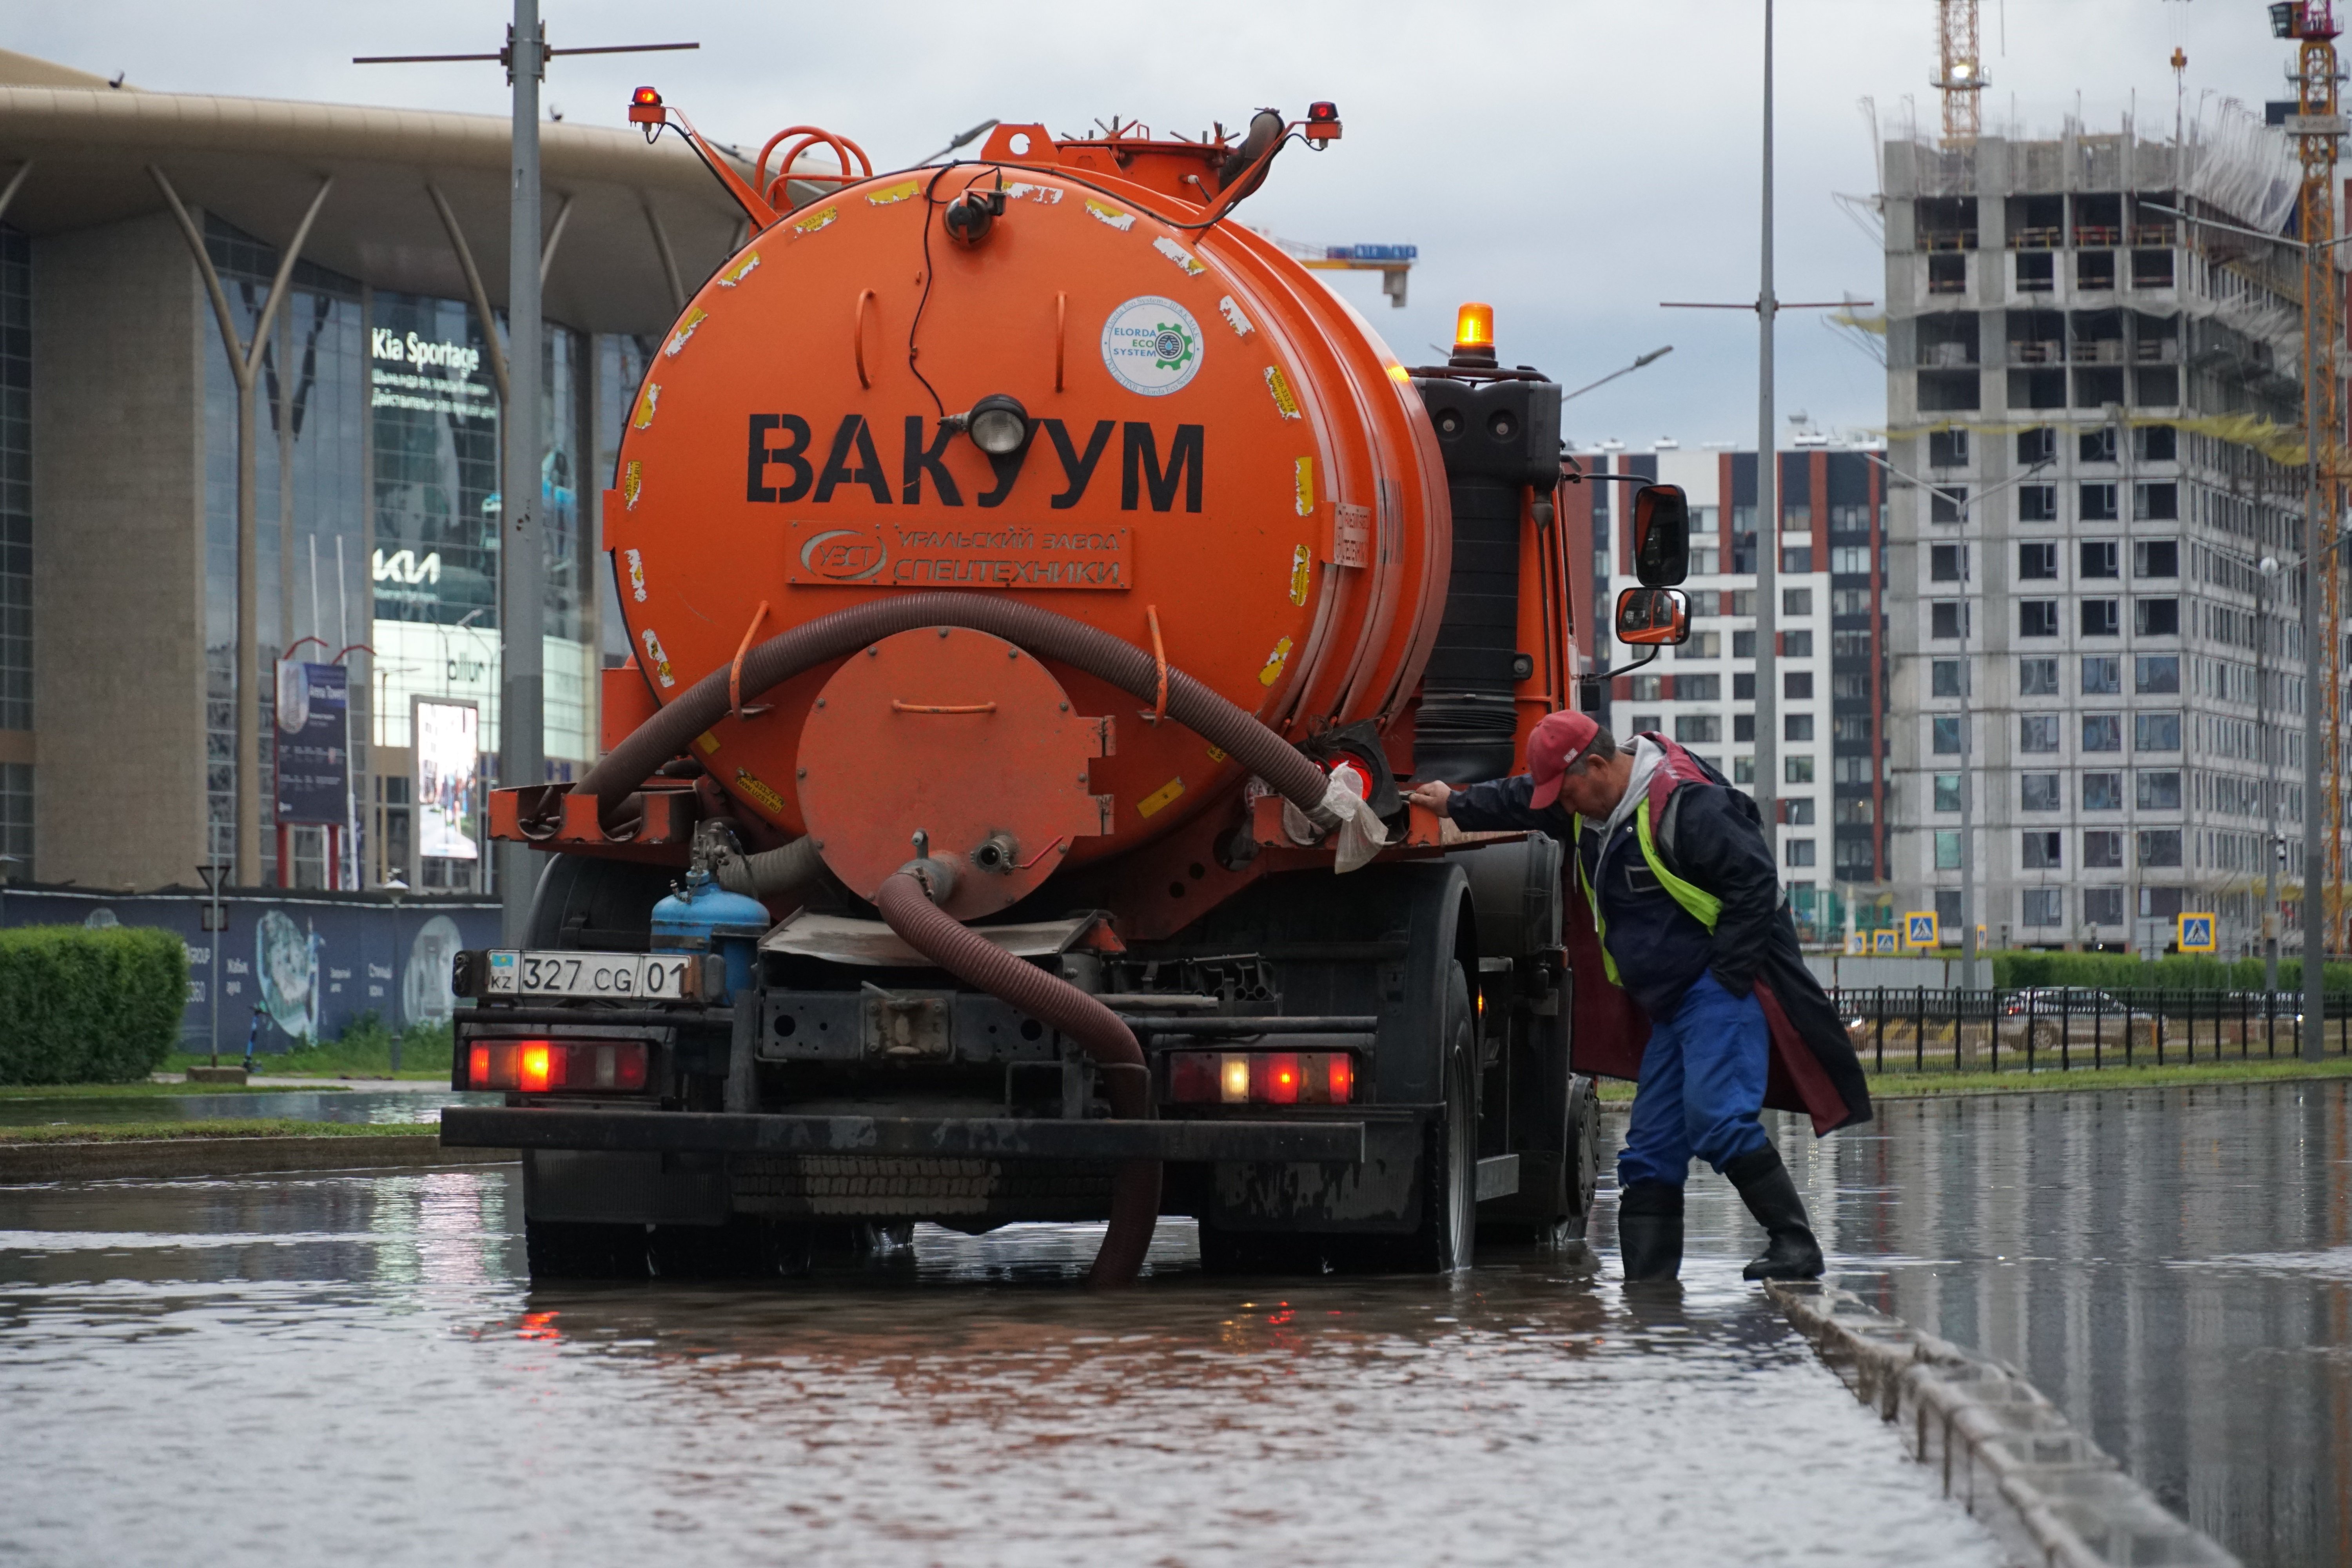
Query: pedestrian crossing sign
{"points": [[1884, 942], [1919, 930], [2196, 934]]}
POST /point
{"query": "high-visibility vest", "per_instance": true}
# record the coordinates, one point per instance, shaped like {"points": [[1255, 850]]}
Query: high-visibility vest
{"points": [[1697, 901]]}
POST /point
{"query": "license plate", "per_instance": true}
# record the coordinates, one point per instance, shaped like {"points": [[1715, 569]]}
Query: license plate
{"points": [[594, 976]]}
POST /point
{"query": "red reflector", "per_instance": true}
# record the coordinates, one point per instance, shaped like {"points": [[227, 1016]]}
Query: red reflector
{"points": [[1282, 1078], [1261, 1078], [478, 1066], [1193, 1078], [1342, 1069]]}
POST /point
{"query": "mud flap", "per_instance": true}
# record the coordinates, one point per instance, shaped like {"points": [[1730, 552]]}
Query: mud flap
{"points": [[624, 1188], [1384, 1194]]}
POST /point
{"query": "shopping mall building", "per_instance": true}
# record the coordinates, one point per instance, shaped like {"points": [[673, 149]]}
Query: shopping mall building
{"points": [[376, 420]]}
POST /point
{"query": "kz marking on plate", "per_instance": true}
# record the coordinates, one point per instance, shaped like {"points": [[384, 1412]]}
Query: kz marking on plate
{"points": [[602, 976]]}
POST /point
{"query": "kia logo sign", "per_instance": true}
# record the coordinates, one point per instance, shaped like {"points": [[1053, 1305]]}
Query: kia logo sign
{"points": [[845, 555]]}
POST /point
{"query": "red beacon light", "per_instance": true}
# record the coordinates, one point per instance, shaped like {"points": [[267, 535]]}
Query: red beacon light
{"points": [[1322, 122], [646, 109]]}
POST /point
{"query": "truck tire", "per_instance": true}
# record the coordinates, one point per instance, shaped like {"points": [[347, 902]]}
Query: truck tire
{"points": [[748, 1247], [585, 902], [1583, 1160], [1449, 1224]]}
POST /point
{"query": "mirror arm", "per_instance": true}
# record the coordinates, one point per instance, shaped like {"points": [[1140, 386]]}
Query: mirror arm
{"points": [[1622, 668]]}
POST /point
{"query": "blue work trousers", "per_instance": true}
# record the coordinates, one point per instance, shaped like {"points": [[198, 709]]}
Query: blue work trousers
{"points": [[1702, 1086]]}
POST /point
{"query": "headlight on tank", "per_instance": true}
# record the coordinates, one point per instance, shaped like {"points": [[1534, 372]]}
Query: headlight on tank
{"points": [[997, 425]]}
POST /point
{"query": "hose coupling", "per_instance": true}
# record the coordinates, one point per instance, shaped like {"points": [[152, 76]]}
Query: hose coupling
{"points": [[934, 874]]}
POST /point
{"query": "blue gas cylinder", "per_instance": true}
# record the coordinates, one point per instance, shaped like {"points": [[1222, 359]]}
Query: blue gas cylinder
{"points": [[704, 917]]}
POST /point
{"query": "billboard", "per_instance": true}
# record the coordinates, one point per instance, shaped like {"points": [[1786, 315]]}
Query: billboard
{"points": [[313, 743], [448, 737]]}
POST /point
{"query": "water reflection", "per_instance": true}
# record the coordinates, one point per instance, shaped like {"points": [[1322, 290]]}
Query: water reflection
{"points": [[349, 1368], [419, 1104]]}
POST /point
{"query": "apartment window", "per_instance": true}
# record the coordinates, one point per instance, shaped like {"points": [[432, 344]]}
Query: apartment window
{"points": [[1856, 859], [1649, 688], [1850, 685], [1945, 501], [1946, 619], [1798, 812], [1849, 601], [2099, 557], [1699, 688], [1798, 851], [1949, 677], [2155, 503], [2036, 271], [2037, 504], [1851, 645], [1948, 273], [2102, 617], [2157, 672], [1795, 727], [1797, 684], [2103, 731], [1706, 561], [2158, 790], [2040, 851], [1743, 727], [2037, 792], [1698, 729], [1796, 645], [1743, 602], [1796, 600], [2102, 675], [1948, 851], [1947, 448], [1702, 646], [1743, 770], [2156, 617], [2095, 270], [2156, 558], [2160, 846], [1854, 559], [2102, 850], [2037, 678], [1743, 644], [1853, 770], [2157, 443], [2037, 446], [2037, 733], [1796, 770], [2045, 907], [1946, 729], [1948, 563], [2097, 446], [1856, 812], [1743, 686], [2156, 731], [2037, 618], [1796, 558], [1947, 792], [1852, 730], [2103, 792], [1648, 723], [2098, 502], [2103, 906], [2037, 560]]}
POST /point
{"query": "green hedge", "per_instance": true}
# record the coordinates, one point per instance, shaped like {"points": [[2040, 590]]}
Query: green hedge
{"points": [[2180, 972], [89, 1006]]}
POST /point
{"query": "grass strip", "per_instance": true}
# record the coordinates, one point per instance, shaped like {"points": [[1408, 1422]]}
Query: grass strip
{"points": [[151, 1091], [227, 1127], [1927, 1086], [325, 1062]]}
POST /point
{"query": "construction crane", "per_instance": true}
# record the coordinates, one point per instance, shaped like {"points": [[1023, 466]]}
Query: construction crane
{"points": [[1961, 78], [1391, 261], [2315, 126]]}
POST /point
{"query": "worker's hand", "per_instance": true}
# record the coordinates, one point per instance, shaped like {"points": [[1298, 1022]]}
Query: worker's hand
{"points": [[1431, 797]]}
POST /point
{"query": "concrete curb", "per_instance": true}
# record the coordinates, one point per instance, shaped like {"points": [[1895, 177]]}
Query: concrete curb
{"points": [[2048, 1493], [25, 1163]]}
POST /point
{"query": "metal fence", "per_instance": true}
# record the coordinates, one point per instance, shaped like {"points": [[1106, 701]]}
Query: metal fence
{"points": [[2072, 1028]]}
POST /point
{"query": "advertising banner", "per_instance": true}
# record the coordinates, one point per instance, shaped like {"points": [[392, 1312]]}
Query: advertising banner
{"points": [[313, 738], [448, 780]]}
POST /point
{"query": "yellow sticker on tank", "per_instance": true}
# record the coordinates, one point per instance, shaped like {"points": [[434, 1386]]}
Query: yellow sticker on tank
{"points": [[1111, 215], [706, 743], [1216, 753], [1302, 567], [1285, 402], [767, 799], [694, 319], [804, 226], [893, 194], [662, 672], [1233, 316], [1151, 803], [646, 401], [636, 575], [1303, 481], [1273, 670], [740, 270], [633, 484], [1180, 255]]}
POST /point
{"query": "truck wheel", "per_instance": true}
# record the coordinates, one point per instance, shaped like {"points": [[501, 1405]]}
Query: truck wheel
{"points": [[573, 1249], [748, 1247], [1583, 1160], [1449, 1226]]}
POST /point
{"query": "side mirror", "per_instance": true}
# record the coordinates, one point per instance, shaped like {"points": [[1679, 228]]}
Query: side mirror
{"points": [[1661, 535], [1652, 617]]}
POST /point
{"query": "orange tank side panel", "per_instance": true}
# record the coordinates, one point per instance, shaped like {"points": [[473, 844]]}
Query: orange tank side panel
{"points": [[625, 702]]}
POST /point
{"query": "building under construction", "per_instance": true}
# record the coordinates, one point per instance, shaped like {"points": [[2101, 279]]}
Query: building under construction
{"points": [[2096, 412]]}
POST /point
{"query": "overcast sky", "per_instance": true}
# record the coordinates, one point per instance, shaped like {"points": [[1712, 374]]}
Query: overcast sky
{"points": [[1572, 163]]}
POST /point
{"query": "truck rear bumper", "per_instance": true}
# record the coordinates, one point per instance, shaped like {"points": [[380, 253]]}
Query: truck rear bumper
{"points": [[996, 1138]]}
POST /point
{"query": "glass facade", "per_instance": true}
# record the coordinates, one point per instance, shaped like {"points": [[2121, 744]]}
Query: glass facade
{"points": [[15, 545]]}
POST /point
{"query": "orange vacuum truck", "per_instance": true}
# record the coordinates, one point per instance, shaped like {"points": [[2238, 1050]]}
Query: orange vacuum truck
{"points": [[1039, 587]]}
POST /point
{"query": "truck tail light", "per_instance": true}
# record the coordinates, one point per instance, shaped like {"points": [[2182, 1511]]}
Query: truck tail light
{"points": [[558, 1067], [1261, 1078]]}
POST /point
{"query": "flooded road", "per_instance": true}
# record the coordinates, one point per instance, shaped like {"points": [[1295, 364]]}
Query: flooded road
{"points": [[411, 1104], [353, 1369]]}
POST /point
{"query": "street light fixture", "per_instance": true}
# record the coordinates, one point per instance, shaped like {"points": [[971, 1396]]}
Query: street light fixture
{"points": [[1638, 364]]}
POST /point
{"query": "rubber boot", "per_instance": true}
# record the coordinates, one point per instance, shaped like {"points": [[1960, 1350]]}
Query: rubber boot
{"points": [[1771, 1196], [1650, 1231]]}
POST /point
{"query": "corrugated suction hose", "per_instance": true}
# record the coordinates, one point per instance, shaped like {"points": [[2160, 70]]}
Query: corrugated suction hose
{"points": [[971, 958], [1042, 632]]}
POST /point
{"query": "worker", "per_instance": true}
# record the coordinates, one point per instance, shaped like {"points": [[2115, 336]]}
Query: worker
{"points": [[1678, 875]]}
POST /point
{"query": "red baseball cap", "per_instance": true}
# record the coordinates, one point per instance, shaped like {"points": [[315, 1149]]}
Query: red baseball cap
{"points": [[1554, 746]]}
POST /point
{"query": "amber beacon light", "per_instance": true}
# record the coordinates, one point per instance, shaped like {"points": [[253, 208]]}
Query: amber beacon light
{"points": [[1473, 327]]}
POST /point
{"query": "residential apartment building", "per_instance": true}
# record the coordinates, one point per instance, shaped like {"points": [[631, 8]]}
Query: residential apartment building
{"points": [[2093, 406], [1830, 628]]}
